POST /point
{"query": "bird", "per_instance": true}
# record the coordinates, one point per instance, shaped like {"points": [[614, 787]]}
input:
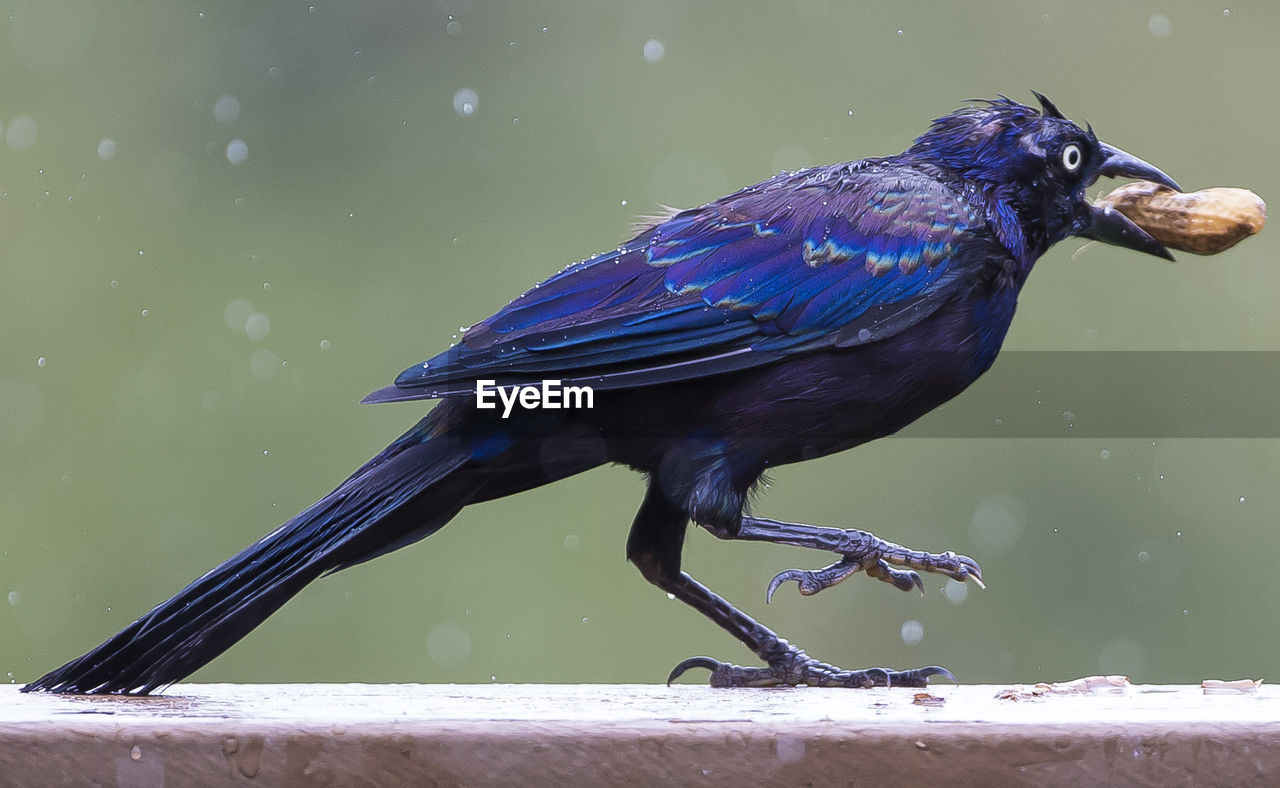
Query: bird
{"points": [[804, 315]]}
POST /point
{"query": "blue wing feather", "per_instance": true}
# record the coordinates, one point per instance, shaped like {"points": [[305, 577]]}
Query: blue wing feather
{"points": [[827, 257]]}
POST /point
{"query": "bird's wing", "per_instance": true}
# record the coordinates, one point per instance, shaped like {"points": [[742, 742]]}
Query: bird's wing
{"points": [[832, 256]]}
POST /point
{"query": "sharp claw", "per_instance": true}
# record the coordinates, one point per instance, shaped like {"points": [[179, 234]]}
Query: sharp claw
{"points": [[694, 662], [779, 579], [924, 674]]}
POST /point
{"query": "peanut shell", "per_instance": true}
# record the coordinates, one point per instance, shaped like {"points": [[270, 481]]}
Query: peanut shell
{"points": [[1204, 222]]}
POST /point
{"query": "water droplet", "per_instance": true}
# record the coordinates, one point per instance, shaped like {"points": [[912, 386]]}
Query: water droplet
{"points": [[226, 109], [572, 543], [135, 752], [107, 149], [237, 151], [40, 362], [1105, 454], [1143, 556], [21, 133], [465, 102], [265, 452], [624, 203], [671, 596], [912, 632], [955, 591], [257, 326], [14, 599], [454, 28], [1226, 12], [899, 31], [325, 344], [1242, 499], [146, 312], [586, 620], [1159, 26], [654, 50]]}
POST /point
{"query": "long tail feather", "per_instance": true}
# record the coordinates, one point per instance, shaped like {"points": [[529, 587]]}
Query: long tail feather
{"points": [[407, 492]]}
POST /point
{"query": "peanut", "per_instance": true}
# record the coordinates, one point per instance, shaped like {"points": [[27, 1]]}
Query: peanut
{"points": [[1204, 222]]}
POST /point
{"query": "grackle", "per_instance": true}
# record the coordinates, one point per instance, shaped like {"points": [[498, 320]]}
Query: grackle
{"points": [[801, 316]]}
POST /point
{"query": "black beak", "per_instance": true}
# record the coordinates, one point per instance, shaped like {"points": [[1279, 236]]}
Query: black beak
{"points": [[1112, 227], [1118, 164]]}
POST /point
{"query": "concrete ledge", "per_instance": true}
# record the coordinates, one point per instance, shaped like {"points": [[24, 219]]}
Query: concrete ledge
{"points": [[637, 735]]}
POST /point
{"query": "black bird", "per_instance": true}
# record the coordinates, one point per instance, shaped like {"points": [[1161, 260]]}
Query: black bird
{"points": [[801, 316]]}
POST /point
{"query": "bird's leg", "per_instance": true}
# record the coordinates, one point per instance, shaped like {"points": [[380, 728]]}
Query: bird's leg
{"points": [[654, 545], [786, 665], [859, 551]]}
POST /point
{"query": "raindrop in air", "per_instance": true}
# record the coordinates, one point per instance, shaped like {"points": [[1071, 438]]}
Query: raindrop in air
{"points": [[226, 109], [465, 102], [21, 133], [1159, 26], [237, 151]]}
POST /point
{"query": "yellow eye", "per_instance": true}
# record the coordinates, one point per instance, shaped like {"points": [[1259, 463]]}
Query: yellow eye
{"points": [[1071, 157]]}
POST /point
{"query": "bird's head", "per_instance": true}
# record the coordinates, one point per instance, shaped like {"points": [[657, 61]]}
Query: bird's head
{"points": [[1039, 164]]}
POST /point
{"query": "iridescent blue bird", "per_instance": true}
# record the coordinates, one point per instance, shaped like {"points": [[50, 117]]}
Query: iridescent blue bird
{"points": [[801, 316]]}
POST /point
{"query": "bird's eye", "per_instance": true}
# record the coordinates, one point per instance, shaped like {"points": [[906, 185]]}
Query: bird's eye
{"points": [[1071, 157]]}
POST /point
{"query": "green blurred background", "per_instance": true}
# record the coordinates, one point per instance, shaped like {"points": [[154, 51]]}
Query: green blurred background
{"points": [[224, 223]]}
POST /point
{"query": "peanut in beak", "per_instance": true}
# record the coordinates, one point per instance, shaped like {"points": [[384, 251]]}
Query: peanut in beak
{"points": [[1204, 222]]}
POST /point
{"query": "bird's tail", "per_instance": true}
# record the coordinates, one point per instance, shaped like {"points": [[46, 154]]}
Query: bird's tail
{"points": [[407, 492]]}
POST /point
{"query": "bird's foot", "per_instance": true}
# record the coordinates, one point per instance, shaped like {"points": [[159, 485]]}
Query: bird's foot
{"points": [[870, 554], [794, 668]]}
